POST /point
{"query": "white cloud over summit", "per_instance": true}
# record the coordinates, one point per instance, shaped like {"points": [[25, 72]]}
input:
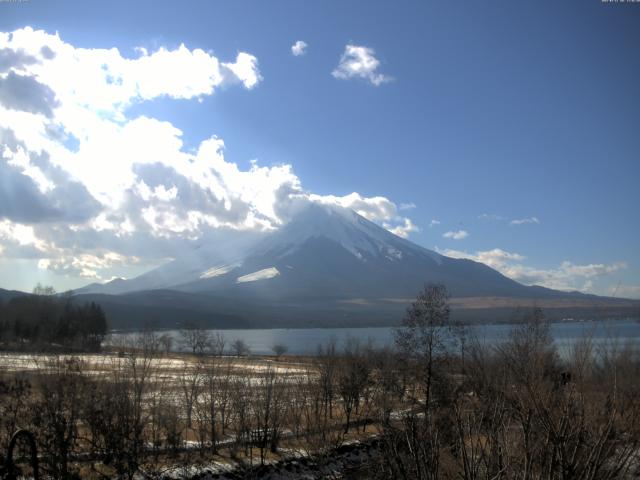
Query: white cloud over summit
{"points": [[377, 209], [87, 186]]}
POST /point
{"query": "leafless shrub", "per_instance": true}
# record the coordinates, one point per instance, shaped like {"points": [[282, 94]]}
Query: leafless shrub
{"points": [[240, 348], [279, 349], [15, 394], [196, 340], [56, 413], [353, 379], [218, 344]]}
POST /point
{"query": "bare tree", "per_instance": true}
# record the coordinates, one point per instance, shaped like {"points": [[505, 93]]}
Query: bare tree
{"points": [[299, 397], [353, 378], [110, 417], [138, 375], [240, 348], [327, 364], [423, 331], [158, 398], [197, 340], [269, 408], [413, 449], [224, 388], [57, 412], [190, 380], [241, 400], [147, 341], [218, 344], [44, 290], [208, 407], [166, 342], [15, 392], [279, 349], [388, 388], [172, 427], [320, 433]]}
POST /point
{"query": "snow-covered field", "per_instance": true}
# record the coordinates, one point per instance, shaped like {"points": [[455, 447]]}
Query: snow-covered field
{"points": [[167, 368]]}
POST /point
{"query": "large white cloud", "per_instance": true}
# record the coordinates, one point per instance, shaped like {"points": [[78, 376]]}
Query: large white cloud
{"points": [[86, 265], [86, 186], [104, 79]]}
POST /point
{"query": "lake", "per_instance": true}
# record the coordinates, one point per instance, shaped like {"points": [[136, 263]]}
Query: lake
{"points": [[304, 341]]}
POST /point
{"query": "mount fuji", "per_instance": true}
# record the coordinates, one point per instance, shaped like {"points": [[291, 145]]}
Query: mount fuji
{"points": [[327, 266]]}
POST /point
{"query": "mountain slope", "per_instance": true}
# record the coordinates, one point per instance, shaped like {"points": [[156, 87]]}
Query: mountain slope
{"points": [[326, 252], [326, 262], [6, 295], [323, 252]]}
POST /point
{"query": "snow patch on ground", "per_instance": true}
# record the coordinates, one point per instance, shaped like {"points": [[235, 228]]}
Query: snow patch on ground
{"points": [[263, 274], [217, 271], [394, 254]]}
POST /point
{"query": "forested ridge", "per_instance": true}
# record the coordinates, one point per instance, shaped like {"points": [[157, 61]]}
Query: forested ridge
{"points": [[44, 320]]}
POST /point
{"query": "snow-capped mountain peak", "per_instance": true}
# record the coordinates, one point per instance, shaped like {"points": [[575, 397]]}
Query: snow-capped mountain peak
{"points": [[326, 263], [361, 237]]}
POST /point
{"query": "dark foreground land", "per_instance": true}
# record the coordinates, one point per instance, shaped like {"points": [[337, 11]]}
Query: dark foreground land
{"points": [[350, 412], [421, 410]]}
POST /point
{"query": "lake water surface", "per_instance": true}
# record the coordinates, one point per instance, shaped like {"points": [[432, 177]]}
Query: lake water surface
{"points": [[305, 341]]}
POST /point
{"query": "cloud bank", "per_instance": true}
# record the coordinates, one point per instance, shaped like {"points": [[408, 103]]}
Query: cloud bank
{"points": [[85, 185], [567, 276]]}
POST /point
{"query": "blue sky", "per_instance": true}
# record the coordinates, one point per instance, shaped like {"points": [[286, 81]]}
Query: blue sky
{"points": [[486, 113]]}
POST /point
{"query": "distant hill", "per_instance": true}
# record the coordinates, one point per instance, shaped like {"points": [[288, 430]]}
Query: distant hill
{"points": [[6, 295], [327, 267], [324, 253]]}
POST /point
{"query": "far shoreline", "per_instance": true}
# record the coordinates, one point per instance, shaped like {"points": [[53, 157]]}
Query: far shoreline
{"points": [[348, 327]]}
